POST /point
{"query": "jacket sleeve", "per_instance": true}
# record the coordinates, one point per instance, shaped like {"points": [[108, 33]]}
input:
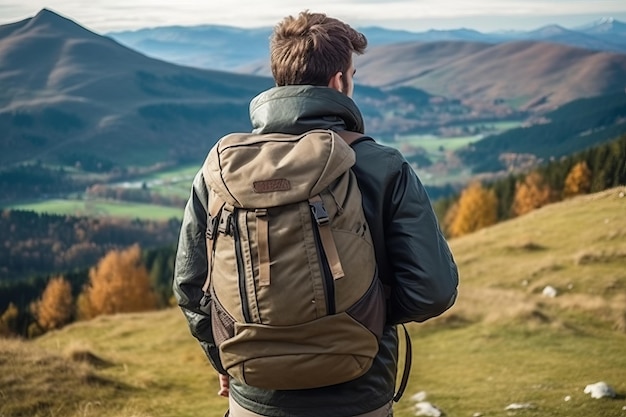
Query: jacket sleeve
{"points": [[424, 274], [190, 270]]}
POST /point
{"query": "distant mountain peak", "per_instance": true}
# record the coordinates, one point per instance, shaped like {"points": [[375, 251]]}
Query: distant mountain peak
{"points": [[550, 30], [47, 16], [605, 21], [51, 20], [606, 25]]}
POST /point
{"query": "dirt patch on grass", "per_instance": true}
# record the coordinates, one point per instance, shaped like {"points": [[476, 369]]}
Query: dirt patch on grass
{"points": [[594, 257]]}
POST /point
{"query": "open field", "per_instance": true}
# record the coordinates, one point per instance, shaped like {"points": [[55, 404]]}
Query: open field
{"points": [[502, 343], [434, 144], [111, 208], [168, 183], [176, 182]]}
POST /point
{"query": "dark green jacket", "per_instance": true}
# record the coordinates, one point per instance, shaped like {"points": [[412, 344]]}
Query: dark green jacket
{"points": [[412, 255]]}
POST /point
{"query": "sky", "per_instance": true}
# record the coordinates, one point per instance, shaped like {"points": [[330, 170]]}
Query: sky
{"points": [[104, 16]]}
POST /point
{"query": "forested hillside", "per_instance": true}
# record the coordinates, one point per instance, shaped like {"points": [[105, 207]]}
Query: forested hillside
{"points": [[573, 127], [485, 203], [35, 244]]}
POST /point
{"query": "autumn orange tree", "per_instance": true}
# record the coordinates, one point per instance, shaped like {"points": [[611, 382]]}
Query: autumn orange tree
{"points": [[530, 194], [449, 216], [119, 283], [8, 321], [477, 208], [56, 306], [578, 180]]}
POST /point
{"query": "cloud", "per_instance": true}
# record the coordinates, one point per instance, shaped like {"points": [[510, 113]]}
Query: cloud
{"points": [[107, 15]]}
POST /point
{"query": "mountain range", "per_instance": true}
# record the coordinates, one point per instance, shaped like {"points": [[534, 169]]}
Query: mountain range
{"points": [[527, 75], [76, 99], [68, 92], [233, 48], [536, 70]]}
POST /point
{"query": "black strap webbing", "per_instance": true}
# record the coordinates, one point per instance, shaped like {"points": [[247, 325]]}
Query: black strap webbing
{"points": [[407, 366]]}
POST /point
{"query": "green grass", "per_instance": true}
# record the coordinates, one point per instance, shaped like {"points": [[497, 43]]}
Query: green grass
{"points": [[484, 368], [172, 182], [163, 369], [188, 171], [433, 144], [102, 208], [502, 342]]}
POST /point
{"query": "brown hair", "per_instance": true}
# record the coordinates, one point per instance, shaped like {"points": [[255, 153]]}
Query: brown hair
{"points": [[311, 48]]}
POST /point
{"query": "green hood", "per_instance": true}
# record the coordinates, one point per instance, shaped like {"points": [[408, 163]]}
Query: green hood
{"points": [[296, 109]]}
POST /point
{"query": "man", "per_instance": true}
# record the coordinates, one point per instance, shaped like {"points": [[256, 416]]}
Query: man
{"points": [[311, 60]]}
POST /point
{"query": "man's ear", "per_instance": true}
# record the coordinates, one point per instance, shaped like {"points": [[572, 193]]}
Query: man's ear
{"points": [[336, 82]]}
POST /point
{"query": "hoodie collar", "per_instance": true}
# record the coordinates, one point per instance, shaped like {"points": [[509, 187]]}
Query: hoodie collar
{"points": [[296, 109]]}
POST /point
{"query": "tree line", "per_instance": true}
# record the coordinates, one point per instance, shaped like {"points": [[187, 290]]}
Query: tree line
{"points": [[141, 194], [123, 280], [35, 243], [40, 247], [483, 204]]}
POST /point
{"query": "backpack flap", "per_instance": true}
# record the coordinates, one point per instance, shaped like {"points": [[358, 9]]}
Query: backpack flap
{"points": [[256, 171]]}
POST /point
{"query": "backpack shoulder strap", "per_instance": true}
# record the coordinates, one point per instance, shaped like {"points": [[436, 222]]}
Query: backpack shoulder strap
{"points": [[216, 204], [407, 365], [361, 140], [349, 136], [352, 138]]}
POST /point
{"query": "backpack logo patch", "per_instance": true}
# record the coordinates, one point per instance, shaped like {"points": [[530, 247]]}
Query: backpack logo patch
{"points": [[269, 186]]}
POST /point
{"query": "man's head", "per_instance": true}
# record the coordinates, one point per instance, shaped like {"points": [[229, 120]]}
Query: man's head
{"points": [[315, 49]]}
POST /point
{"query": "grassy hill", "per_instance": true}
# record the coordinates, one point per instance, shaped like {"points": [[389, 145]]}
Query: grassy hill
{"points": [[502, 343]]}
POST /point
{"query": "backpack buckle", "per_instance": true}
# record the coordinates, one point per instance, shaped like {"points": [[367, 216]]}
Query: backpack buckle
{"points": [[224, 226], [319, 212], [206, 297], [211, 226]]}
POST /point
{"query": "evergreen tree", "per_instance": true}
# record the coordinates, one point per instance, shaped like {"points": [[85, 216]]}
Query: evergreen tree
{"points": [[504, 190]]}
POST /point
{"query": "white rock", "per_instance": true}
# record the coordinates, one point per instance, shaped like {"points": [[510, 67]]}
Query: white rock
{"points": [[424, 408], [519, 406], [477, 415], [549, 291], [417, 397], [600, 390], [567, 398]]}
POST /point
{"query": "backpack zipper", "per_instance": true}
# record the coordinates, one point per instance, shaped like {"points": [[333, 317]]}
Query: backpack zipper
{"points": [[327, 276], [243, 295]]}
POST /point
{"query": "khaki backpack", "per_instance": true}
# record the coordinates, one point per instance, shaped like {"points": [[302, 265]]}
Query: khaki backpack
{"points": [[295, 299]]}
